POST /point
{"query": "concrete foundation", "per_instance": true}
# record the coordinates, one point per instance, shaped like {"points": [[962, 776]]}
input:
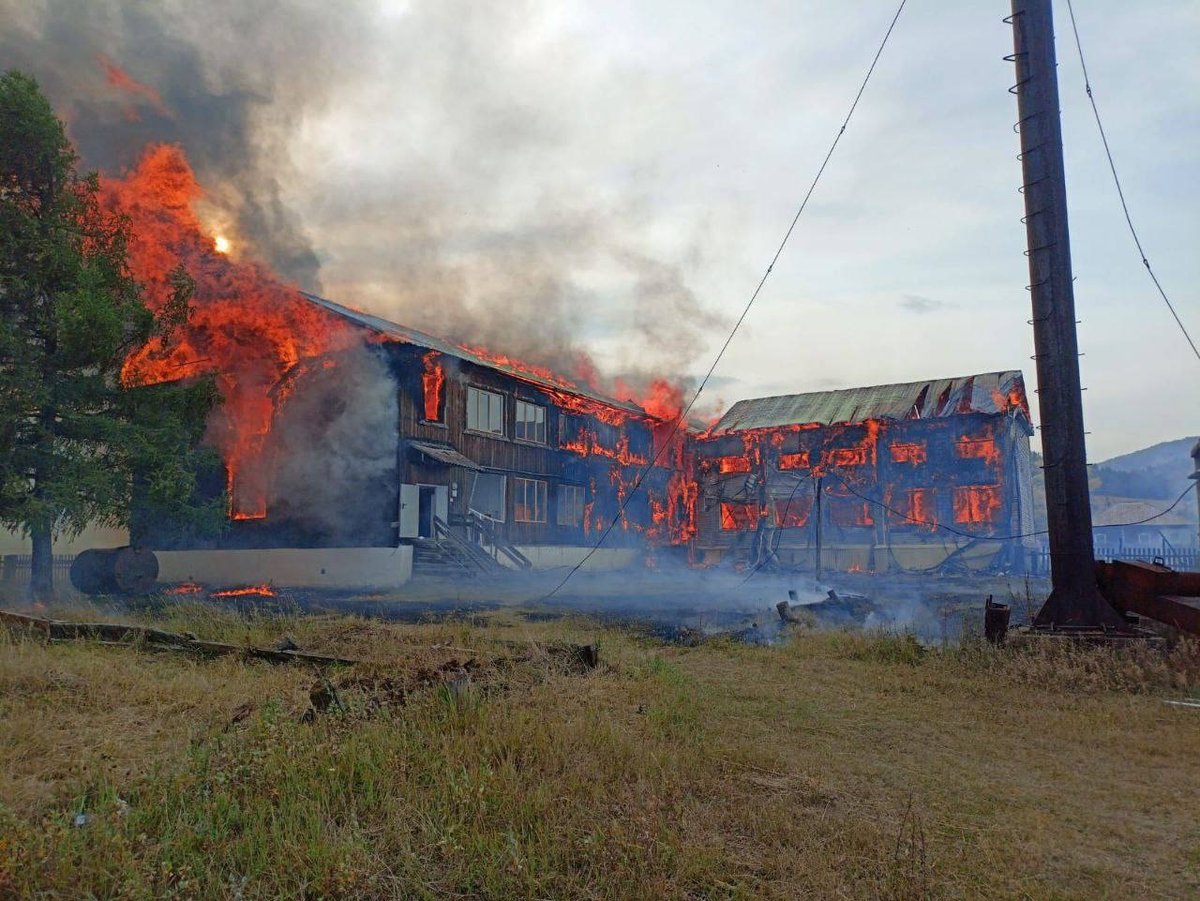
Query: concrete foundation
{"points": [[358, 567], [548, 556]]}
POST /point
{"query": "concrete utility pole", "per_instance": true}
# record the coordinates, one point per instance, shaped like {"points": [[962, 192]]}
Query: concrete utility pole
{"points": [[1075, 601]]}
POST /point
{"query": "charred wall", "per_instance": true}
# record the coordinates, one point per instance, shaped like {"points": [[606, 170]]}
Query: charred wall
{"points": [[881, 485]]}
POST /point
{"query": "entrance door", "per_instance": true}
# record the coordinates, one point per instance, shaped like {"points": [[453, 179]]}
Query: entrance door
{"points": [[426, 511], [409, 520]]}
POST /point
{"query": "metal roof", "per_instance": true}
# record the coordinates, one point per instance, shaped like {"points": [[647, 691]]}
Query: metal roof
{"points": [[990, 392], [444, 453], [500, 364]]}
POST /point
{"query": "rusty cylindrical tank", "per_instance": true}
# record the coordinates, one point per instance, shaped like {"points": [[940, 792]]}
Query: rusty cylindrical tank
{"points": [[118, 570]]}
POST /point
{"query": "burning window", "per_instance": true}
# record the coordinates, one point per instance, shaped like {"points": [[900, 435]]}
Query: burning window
{"points": [[530, 422], [739, 516], [793, 513], [733, 464], [982, 447], [908, 453], [794, 461], [433, 384], [571, 502], [977, 504], [529, 500], [850, 512], [914, 506], [847, 456], [485, 411]]}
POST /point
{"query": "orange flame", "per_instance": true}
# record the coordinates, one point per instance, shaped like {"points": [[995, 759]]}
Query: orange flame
{"points": [[264, 591], [246, 325]]}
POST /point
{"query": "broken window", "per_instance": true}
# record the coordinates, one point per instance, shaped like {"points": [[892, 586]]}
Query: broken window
{"points": [[913, 506], [794, 461], [485, 411], [982, 447], [793, 513], [529, 500], [977, 503], [739, 516], [849, 512], [530, 422], [908, 453], [847, 456], [734, 464], [433, 387], [487, 495], [570, 505]]}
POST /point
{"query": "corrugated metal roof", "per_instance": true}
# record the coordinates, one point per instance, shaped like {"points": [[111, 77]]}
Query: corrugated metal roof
{"points": [[444, 453], [990, 392], [420, 339]]}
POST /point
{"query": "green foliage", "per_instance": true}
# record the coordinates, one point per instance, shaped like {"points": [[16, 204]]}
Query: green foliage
{"points": [[74, 443]]}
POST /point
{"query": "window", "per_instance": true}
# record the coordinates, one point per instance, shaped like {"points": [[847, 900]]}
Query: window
{"points": [[794, 461], [908, 453], [485, 411], [570, 505], [529, 500], [738, 516], [977, 504], [793, 513], [530, 424], [733, 464], [487, 495], [912, 506]]}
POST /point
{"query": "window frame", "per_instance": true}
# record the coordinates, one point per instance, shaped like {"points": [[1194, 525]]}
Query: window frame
{"points": [[577, 505], [521, 485], [519, 423], [473, 391]]}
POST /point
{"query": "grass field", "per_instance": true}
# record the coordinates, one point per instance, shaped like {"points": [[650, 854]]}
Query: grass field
{"points": [[456, 764]]}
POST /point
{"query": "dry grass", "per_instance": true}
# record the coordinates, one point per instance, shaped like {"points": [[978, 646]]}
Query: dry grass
{"points": [[838, 766]]}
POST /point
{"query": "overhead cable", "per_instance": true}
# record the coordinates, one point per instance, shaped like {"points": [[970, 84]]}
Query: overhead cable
{"points": [[1120, 192], [753, 297]]}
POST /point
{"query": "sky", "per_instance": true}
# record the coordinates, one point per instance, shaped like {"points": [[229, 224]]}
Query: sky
{"points": [[551, 177]]}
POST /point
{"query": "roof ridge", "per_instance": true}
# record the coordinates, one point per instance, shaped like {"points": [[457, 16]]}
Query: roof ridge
{"points": [[444, 346]]}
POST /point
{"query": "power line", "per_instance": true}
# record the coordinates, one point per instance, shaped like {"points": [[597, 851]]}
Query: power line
{"points": [[1117, 181], [753, 297]]}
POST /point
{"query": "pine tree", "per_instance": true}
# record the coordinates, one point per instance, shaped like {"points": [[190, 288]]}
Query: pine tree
{"points": [[73, 442]]}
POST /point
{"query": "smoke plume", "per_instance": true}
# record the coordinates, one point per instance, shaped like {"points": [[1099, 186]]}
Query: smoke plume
{"points": [[409, 159]]}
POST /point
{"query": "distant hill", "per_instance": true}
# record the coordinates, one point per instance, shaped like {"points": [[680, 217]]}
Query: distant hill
{"points": [[1159, 471], [1156, 474]]}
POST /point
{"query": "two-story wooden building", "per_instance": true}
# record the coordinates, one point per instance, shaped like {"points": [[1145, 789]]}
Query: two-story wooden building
{"points": [[885, 477], [444, 452]]}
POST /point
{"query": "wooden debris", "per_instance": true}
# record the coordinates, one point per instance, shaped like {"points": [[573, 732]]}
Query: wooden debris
{"points": [[58, 630]]}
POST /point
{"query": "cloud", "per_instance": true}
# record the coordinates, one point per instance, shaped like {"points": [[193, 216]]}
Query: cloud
{"points": [[916, 303]]}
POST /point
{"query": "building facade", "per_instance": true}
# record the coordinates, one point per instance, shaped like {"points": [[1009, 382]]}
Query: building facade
{"points": [[882, 478]]}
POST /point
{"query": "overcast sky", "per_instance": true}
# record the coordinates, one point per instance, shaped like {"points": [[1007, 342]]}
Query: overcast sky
{"points": [[617, 175]]}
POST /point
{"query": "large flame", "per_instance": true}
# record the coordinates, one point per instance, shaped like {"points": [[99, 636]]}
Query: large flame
{"points": [[246, 325]]}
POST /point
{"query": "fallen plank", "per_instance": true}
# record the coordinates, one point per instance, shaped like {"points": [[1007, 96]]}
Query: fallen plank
{"points": [[121, 633]]}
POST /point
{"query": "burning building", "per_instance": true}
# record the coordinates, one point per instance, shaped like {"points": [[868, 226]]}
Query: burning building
{"points": [[446, 457], [880, 478]]}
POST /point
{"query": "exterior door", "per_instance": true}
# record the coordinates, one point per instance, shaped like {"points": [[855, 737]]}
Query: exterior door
{"points": [[410, 511], [441, 502]]}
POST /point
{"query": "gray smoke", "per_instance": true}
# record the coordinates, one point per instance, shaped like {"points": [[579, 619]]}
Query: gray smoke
{"points": [[333, 441], [414, 160]]}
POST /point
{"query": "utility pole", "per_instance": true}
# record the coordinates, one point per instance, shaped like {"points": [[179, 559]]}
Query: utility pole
{"points": [[820, 491], [1075, 601]]}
